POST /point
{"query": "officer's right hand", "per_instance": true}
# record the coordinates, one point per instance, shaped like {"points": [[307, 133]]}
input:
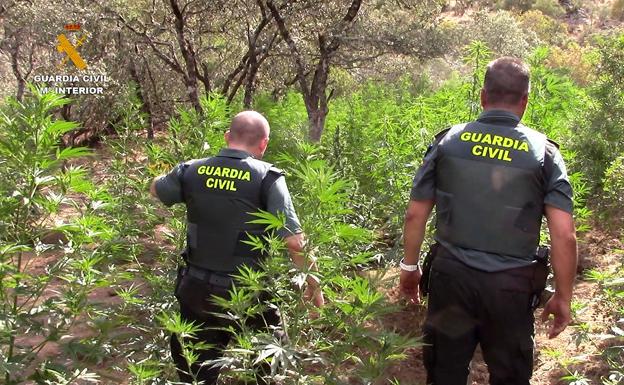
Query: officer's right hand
{"points": [[408, 285], [560, 309]]}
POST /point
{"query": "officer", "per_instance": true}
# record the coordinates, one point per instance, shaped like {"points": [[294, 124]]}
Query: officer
{"points": [[491, 181], [219, 193]]}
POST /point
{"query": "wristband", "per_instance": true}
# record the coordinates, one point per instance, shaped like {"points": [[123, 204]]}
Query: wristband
{"points": [[408, 267]]}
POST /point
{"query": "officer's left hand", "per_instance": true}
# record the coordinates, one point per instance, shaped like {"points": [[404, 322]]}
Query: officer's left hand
{"points": [[409, 285], [560, 309]]}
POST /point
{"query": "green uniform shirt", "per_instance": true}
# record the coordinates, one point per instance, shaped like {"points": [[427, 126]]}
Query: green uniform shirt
{"points": [[558, 194], [169, 191]]}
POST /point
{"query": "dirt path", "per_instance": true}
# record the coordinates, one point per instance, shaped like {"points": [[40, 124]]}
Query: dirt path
{"points": [[600, 251]]}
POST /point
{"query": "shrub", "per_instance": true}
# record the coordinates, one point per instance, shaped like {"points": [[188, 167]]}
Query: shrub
{"points": [[502, 32], [576, 61], [35, 183], [598, 138], [518, 5], [613, 184], [548, 30], [549, 7], [617, 10]]}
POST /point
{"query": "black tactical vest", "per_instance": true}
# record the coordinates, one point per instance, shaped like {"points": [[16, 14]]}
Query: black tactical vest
{"points": [[490, 186], [220, 192]]}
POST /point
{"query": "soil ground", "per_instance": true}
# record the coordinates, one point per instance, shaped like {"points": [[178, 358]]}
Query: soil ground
{"points": [[600, 251]]}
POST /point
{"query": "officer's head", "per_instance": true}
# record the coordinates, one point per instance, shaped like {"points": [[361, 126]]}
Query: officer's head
{"points": [[249, 131], [506, 85]]}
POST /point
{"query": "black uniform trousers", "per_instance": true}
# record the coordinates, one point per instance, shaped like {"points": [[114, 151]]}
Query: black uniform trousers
{"points": [[194, 296], [467, 307]]}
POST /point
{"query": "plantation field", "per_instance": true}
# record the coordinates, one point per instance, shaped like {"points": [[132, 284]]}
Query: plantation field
{"points": [[354, 91]]}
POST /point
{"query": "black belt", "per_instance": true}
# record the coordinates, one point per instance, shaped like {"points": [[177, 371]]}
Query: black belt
{"points": [[208, 276]]}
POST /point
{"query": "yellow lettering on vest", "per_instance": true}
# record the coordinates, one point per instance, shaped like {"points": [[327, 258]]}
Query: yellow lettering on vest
{"points": [[232, 186], [508, 142], [210, 182], [506, 156], [465, 136], [246, 176], [201, 170], [234, 172], [476, 137], [523, 147], [487, 138], [217, 171], [209, 170], [497, 141], [477, 150], [226, 172]]}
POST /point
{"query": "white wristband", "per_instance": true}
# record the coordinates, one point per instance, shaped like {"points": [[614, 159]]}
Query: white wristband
{"points": [[408, 267]]}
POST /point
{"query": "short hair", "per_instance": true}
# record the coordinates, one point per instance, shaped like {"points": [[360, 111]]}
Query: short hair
{"points": [[506, 80], [249, 128]]}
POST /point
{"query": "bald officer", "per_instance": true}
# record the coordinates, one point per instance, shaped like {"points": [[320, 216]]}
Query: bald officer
{"points": [[491, 181], [219, 193]]}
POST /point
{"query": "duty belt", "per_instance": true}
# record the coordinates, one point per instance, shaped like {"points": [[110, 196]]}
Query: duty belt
{"points": [[208, 276]]}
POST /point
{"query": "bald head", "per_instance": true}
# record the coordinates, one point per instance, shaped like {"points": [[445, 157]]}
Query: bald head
{"points": [[249, 128], [249, 131], [506, 81]]}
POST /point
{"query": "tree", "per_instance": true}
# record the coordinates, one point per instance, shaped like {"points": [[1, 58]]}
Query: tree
{"points": [[329, 40]]}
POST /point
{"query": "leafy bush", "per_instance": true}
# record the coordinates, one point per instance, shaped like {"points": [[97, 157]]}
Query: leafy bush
{"points": [[35, 183], [617, 10], [502, 33], [518, 5], [549, 7], [598, 138], [613, 184], [575, 61], [548, 30]]}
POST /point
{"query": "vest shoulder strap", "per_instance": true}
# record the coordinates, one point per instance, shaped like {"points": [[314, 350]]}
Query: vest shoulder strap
{"points": [[271, 177], [553, 143], [549, 159], [437, 138]]}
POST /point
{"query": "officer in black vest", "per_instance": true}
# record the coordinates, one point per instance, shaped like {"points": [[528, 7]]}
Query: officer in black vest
{"points": [[219, 193], [491, 181]]}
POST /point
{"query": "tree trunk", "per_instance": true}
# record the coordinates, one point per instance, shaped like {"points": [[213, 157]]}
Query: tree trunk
{"points": [[143, 97], [314, 94], [190, 76], [316, 120], [21, 82], [251, 77]]}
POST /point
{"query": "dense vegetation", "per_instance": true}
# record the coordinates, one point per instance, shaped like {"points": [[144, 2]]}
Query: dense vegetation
{"points": [[87, 258]]}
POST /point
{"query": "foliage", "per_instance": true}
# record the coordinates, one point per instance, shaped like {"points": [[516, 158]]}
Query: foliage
{"points": [[617, 10], [598, 138], [548, 30], [42, 301], [502, 33], [350, 191], [613, 185], [549, 7], [575, 61]]}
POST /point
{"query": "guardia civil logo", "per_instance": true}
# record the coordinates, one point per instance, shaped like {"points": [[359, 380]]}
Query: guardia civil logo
{"points": [[71, 50], [73, 76]]}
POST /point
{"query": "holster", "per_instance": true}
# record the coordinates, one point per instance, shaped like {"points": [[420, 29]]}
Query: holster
{"points": [[540, 274], [196, 290], [423, 285]]}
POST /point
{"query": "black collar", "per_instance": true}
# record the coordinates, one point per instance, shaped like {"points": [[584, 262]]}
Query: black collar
{"points": [[232, 153], [501, 116]]}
